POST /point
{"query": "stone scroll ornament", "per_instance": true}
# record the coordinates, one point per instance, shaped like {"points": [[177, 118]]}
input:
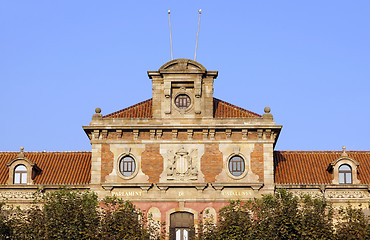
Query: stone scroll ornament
{"points": [[181, 165]]}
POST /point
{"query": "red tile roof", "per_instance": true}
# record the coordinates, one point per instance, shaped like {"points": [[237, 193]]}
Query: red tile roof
{"points": [[139, 110], [310, 167], [221, 109], [57, 167]]}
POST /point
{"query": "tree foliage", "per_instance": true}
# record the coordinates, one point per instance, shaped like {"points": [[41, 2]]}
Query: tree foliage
{"points": [[285, 216], [120, 220], [67, 214]]}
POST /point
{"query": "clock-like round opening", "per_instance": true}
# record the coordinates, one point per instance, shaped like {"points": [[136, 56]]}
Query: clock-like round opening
{"points": [[182, 101]]}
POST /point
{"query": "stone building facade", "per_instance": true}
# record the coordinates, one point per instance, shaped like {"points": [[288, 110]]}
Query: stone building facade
{"points": [[184, 152]]}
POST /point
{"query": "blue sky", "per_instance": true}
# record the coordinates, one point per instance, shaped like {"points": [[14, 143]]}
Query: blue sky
{"points": [[307, 60]]}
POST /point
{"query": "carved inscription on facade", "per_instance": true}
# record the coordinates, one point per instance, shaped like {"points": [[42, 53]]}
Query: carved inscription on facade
{"points": [[181, 164], [127, 194], [236, 194]]}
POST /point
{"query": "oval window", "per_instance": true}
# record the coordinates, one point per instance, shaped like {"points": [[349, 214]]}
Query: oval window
{"points": [[236, 166], [127, 166]]}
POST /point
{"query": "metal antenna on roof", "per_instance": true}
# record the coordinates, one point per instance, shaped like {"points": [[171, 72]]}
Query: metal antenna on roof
{"points": [[196, 43], [169, 23]]}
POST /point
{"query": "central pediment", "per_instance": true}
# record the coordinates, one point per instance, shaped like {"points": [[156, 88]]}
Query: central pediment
{"points": [[182, 64]]}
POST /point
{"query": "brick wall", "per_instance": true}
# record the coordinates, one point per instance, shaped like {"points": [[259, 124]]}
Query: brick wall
{"points": [[107, 159], [152, 162], [211, 162], [257, 161]]}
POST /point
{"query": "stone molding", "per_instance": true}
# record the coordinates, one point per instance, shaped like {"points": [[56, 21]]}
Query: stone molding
{"points": [[165, 186], [111, 186], [221, 186]]}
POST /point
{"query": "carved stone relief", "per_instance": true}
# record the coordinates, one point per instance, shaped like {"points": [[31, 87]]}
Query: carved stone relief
{"points": [[17, 195], [180, 164], [346, 194], [313, 194]]}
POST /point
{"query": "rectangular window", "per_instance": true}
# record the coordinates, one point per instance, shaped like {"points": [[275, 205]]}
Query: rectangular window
{"points": [[349, 178], [17, 178]]}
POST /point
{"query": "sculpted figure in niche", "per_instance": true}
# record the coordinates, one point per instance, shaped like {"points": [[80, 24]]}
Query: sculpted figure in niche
{"points": [[180, 165]]}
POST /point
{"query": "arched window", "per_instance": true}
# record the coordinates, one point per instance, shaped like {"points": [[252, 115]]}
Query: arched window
{"points": [[236, 166], [345, 174], [127, 166], [20, 174]]}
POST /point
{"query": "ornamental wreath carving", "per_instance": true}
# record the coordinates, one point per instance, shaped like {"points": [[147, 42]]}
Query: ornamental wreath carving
{"points": [[181, 164]]}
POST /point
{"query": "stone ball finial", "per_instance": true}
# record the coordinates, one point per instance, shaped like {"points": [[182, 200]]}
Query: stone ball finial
{"points": [[267, 115], [21, 154], [97, 115]]}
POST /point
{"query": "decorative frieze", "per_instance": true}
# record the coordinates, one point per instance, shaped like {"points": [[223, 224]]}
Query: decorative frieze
{"points": [[17, 195], [235, 134], [312, 194], [346, 194]]}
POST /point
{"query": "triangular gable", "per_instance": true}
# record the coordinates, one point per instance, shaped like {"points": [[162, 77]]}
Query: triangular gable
{"points": [[221, 109]]}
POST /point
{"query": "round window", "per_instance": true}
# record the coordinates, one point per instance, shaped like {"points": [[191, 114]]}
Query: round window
{"points": [[236, 166], [182, 101], [127, 166]]}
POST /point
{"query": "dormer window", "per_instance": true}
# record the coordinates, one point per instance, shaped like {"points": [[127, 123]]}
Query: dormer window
{"points": [[344, 169], [20, 174], [345, 174], [22, 170]]}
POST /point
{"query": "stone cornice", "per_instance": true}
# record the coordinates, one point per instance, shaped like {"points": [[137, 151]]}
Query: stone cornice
{"points": [[142, 186], [221, 186], [323, 187], [184, 126]]}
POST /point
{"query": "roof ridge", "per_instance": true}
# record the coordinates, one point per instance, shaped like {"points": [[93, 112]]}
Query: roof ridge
{"points": [[130, 107]]}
